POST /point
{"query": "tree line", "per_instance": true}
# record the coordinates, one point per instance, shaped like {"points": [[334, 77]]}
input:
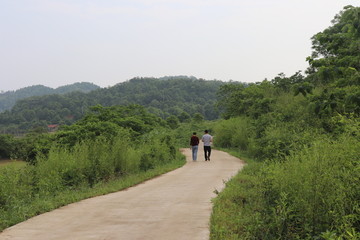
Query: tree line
{"points": [[180, 98]]}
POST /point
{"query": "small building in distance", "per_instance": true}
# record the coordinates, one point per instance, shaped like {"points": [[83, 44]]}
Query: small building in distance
{"points": [[53, 127]]}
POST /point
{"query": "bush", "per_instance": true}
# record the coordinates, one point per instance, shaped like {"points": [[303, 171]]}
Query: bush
{"points": [[6, 145], [54, 178], [16, 191], [234, 133], [237, 209], [318, 189], [312, 193]]}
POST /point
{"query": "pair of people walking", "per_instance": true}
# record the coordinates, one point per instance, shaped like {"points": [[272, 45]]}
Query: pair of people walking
{"points": [[194, 143]]}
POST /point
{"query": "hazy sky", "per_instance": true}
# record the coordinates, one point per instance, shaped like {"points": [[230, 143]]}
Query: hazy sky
{"points": [[59, 42]]}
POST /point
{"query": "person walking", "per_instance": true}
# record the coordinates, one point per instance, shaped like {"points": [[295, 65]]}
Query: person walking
{"points": [[194, 144], [207, 140]]}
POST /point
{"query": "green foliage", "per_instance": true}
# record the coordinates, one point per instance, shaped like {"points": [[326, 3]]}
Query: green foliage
{"points": [[286, 83], [73, 134], [172, 95], [25, 148], [87, 164], [233, 133], [233, 216], [333, 101], [198, 117], [304, 88], [6, 146], [108, 144], [336, 54], [271, 135], [310, 193], [304, 184], [178, 96], [84, 87], [104, 123], [172, 121], [320, 184], [240, 100], [184, 117], [109, 122]]}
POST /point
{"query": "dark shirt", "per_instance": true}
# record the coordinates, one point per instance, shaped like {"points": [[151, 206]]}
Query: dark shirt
{"points": [[194, 141]]}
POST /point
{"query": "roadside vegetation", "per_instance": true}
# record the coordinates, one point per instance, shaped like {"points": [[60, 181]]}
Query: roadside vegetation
{"points": [[303, 136], [108, 150]]}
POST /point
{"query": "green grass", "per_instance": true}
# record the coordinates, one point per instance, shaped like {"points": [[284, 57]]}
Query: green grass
{"points": [[311, 194], [229, 216]]}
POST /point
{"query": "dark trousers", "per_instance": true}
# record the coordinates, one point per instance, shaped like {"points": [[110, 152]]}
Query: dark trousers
{"points": [[207, 151]]}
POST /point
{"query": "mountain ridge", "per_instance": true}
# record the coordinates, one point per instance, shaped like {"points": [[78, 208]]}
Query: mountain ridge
{"points": [[180, 96], [9, 98]]}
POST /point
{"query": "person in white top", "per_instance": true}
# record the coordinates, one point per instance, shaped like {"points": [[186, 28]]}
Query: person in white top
{"points": [[207, 140]]}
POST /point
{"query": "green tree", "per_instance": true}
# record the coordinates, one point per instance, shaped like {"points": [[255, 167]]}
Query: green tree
{"points": [[6, 145], [173, 121], [198, 117], [336, 51], [163, 96], [184, 117], [108, 123], [240, 100]]}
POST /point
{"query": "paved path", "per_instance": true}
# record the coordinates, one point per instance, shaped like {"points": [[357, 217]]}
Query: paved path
{"points": [[176, 205]]}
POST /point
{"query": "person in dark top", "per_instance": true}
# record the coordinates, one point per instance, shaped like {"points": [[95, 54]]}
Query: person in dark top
{"points": [[194, 144]]}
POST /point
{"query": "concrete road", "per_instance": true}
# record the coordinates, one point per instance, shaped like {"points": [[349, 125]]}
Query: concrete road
{"points": [[176, 205]]}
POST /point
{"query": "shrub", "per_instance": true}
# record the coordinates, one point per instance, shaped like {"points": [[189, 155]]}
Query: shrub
{"points": [[234, 132], [319, 189], [310, 194]]}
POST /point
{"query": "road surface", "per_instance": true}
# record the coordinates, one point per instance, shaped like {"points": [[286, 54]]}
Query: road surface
{"points": [[176, 205]]}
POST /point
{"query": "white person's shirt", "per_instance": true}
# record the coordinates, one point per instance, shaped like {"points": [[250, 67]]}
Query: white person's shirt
{"points": [[207, 139]]}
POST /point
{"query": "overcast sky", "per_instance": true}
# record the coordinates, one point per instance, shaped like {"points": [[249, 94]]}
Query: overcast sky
{"points": [[60, 42]]}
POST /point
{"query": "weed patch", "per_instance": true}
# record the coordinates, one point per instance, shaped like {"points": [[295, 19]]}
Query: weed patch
{"points": [[89, 169], [312, 193]]}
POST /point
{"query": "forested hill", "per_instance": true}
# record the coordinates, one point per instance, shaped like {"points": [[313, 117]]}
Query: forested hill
{"points": [[9, 98], [169, 96], [164, 96]]}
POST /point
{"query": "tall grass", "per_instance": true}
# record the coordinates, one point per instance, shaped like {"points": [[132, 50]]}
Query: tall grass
{"points": [[233, 133], [313, 194], [88, 169]]}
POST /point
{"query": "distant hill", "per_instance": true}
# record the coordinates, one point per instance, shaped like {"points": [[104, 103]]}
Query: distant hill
{"points": [[178, 96], [9, 98], [164, 96]]}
